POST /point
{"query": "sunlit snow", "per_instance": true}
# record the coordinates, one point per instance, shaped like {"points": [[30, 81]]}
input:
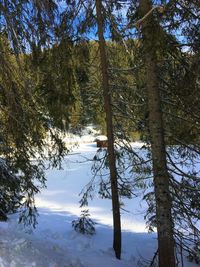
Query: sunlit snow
{"points": [[55, 244]]}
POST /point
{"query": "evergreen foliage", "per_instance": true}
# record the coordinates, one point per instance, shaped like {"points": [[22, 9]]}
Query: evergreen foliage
{"points": [[84, 224], [56, 85], [11, 196], [50, 81], [27, 139], [179, 89]]}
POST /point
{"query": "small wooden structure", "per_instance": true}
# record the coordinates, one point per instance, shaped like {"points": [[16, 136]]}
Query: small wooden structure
{"points": [[102, 143]]}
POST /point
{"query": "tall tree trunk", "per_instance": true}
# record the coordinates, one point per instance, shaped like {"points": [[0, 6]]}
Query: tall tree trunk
{"points": [[150, 32], [110, 135]]}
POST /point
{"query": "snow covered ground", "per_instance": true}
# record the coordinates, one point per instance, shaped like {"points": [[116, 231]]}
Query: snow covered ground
{"points": [[54, 243]]}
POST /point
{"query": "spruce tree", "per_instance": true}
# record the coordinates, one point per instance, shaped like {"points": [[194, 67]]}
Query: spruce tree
{"points": [[150, 32], [27, 28], [177, 83], [110, 134]]}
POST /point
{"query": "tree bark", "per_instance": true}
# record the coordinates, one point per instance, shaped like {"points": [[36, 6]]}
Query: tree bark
{"points": [[166, 244], [110, 135]]}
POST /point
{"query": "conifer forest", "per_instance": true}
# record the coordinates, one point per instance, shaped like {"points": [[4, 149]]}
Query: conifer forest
{"points": [[127, 71]]}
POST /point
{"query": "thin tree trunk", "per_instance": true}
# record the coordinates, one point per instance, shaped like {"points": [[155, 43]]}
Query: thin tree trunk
{"points": [[110, 135], [150, 31]]}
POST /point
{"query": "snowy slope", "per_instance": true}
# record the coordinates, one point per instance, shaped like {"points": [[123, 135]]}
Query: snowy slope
{"points": [[55, 244]]}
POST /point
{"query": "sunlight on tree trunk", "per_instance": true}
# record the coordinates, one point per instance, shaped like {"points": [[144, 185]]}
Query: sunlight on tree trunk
{"points": [[161, 175]]}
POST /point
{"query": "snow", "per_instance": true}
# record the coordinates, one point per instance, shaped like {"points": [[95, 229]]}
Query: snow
{"points": [[55, 244], [101, 138]]}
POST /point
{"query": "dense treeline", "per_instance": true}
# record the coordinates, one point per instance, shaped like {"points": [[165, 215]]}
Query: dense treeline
{"points": [[78, 101]]}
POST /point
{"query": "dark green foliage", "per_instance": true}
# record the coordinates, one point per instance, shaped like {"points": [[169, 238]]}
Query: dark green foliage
{"points": [[91, 90], [84, 224], [10, 193], [56, 84], [177, 59], [28, 24], [25, 131], [49, 77]]}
